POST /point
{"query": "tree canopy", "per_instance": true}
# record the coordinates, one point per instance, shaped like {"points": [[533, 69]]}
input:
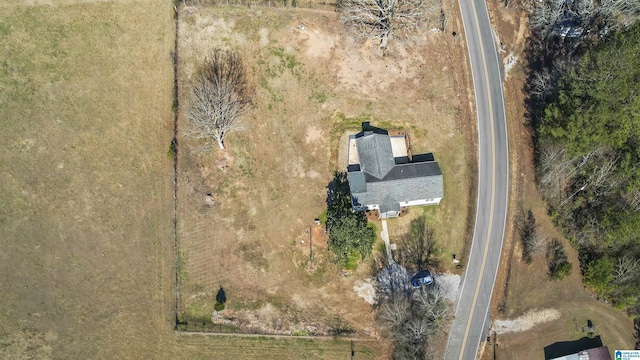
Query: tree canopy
{"points": [[598, 104], [383, 19], [588, 155], [349, 231]]}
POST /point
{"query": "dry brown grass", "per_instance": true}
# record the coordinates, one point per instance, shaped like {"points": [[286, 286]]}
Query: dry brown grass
{"points": [[312, 83], [521, 288], [86, 252]]}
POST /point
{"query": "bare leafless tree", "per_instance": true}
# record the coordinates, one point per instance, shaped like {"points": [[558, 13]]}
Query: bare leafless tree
{"points": [[626, 270], [632, 198], [431, 303], [383, 19], [545, 16], [410, 316], [603, 179], [551, 15], [530, 236], [619, 13], [220, 97], [541, 84], [393, 311], [558, 171]]}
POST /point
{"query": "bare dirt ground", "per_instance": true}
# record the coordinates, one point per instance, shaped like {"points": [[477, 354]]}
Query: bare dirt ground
{"points": [[313, 83], [524, 290]]}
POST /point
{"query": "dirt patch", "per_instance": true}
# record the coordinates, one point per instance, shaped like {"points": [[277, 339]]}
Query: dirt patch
{"points": [[525, 322], [449, 285], [365, 290], [313, 134]]}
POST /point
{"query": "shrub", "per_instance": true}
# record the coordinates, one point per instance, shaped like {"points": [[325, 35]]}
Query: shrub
{"points": [[598, 275], [218, 306], [559, 265]]}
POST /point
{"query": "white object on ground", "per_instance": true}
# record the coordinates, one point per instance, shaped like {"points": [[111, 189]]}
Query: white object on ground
{"points": [[509, 62], [365, 290], [449, 285]]}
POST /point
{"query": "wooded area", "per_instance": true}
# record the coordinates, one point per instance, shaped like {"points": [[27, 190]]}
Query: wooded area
{"points": [[584, 105]]}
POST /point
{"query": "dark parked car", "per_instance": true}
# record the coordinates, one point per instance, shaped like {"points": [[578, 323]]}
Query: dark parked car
{"points": [[422, 278]]}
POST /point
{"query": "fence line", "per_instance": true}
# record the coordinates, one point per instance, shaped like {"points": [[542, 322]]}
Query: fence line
{"points": [[308, 4]]}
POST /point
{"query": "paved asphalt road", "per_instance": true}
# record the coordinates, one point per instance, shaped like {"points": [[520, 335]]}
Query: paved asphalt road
{"points": [[470, 323]]}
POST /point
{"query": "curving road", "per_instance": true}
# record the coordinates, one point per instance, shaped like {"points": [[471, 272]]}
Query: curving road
{"points": [[471, 317]]}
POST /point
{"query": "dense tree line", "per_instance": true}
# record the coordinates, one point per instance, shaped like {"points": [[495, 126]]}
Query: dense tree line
{"points": [[585, 107]]}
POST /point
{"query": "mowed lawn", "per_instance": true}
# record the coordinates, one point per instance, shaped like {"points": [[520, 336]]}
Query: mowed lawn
{"points": [[86, 235]]}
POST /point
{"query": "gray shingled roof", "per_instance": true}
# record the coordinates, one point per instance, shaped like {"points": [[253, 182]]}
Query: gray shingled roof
{"points": [[357, 182], [378, 180], [375, 153], [429, 187], [389, 204]]}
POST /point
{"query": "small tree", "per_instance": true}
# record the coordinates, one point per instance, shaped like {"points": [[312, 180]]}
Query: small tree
{"points": [[220, 97], [221, 298], [559, 265], [531, 238]]}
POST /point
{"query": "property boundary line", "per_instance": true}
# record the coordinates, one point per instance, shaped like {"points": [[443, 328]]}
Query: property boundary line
{"points": [[174, 146]]}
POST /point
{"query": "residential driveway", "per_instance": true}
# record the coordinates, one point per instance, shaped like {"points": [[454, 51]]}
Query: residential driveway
{"points": [[493, 182]]}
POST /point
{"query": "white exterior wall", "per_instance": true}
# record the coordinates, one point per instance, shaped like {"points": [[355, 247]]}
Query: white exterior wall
{"points": [[367, 207], [390, 214], [421, 202]]}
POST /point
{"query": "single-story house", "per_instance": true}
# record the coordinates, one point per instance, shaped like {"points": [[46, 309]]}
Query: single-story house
{"points": [[384, 175]]}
